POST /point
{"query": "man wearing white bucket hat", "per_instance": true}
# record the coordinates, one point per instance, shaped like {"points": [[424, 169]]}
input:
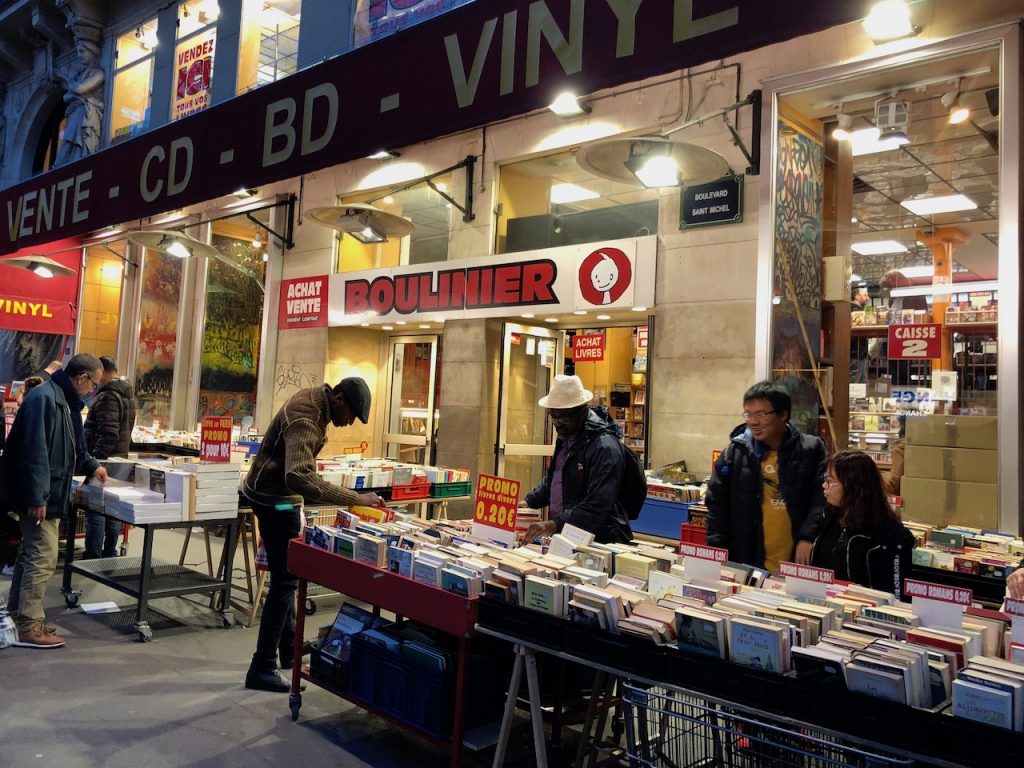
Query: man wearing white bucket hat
{"points": [[583, 483]]}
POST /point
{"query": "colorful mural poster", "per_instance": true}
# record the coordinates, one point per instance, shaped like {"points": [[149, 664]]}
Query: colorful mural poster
{"points": [[375, 19], [158, 338]]}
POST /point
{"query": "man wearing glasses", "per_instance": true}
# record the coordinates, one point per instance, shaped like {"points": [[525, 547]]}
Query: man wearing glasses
{"points": [[765, 500], [582, 485], [45, 448]]}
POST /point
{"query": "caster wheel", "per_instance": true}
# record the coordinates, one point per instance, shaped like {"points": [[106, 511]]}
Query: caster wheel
{"points": [[228, 619], [294, 704], [123, 551], [310, 606], [71, 599], [145, 635]]}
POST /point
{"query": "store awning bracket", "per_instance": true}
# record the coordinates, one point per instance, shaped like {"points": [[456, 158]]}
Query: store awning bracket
{"points": [[753, 155], [469, 163], [289, 231]]}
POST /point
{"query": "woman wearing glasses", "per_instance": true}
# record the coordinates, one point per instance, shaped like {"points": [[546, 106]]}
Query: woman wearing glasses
{"points": [[862, 539]]}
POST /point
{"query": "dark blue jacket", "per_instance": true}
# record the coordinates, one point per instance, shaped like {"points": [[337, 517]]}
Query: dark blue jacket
{"points": [[591, 480], [45, 448], [735, 492]]}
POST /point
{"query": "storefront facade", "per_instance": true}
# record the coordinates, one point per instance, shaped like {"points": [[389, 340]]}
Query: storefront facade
{"points": [[711, 300]]}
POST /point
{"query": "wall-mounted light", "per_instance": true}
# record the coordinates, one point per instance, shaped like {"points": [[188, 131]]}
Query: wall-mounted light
{"points": [[889, 20], [654, 161], [365, 223], [242, 193], [40, 266], [384, 154], [842, 130], [568, 104]]}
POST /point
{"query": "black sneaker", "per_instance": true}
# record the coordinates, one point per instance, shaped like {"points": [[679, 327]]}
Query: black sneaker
{"points": [[266, 681]]}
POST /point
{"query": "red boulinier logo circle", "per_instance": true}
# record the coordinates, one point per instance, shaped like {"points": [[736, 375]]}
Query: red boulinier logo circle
{"points": [[604, 276]]}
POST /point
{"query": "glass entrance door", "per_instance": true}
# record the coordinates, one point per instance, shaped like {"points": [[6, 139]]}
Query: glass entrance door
{"points": [[531, 356], [411, 417]]}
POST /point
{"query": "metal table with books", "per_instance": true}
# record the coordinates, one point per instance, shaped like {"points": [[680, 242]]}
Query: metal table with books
{"points": [[145, 578], [446, 612], [688, 709]]}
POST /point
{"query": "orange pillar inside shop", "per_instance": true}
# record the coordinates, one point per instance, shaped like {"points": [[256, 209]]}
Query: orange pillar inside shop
{"points": [[941, 242]]}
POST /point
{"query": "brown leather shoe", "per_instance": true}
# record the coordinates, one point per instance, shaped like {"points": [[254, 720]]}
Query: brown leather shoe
{"points": [[38, 637]]}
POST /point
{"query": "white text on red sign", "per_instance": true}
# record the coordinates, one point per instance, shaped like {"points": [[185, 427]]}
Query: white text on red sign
{"points": [[925, 589], [1014, 607], [807, 573], [917, 341], [714, 554]]}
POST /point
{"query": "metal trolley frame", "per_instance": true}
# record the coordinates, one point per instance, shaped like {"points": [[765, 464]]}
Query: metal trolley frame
{"points": [[669, 728]]}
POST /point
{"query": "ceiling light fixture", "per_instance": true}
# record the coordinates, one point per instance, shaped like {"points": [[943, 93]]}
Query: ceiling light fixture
{"points": [[579, 312], [603, 317], [868, 141], [878, 247], [892, 117], [842, 130], [889, 20], [958, 113], [923, 270], [930, 205], [567, 104], [41, 266], [550, 319], [365, 223], [384, 154], [944, 289], [571, 193], [639, 309], [243, 193], [654, 161], [173, 243]]}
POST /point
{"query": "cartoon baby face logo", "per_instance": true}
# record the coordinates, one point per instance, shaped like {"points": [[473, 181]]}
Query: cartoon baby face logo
{"points": [[605, 275]]}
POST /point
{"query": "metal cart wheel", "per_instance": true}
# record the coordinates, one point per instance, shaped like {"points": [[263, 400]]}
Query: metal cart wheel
{"points": [[295, 704], [71, 599], [122, 551], [228, 618], [310, 606], [145, 635]]}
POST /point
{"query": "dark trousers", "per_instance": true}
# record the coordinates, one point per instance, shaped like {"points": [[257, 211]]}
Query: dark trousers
{"points": [[277, 627]]}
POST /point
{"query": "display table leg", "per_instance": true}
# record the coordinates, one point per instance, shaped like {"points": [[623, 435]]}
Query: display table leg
{"points": [[536, 718], [295, 696], [145, 574], [70, 597], [586, 737], [460, 702], [510, 708]]}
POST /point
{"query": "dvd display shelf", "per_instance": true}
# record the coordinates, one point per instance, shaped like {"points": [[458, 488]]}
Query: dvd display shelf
{"points": [[443, 611], [849, 728], [145, 578]]}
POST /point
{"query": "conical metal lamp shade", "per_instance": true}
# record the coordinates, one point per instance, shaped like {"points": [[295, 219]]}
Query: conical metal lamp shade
{"points": [[32, 262], [611, 159], [354, 218], [161, 240]]}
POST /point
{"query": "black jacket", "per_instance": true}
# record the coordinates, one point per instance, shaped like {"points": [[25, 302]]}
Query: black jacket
{"points": [[108, 427], [878, 558], [734, 496], [591, 480]]}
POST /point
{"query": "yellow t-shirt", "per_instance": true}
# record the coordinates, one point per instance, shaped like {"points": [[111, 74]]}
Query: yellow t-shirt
{"points": [[778, 530]]}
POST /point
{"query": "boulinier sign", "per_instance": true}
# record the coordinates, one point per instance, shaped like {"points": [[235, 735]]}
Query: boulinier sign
{"points": [[481, 62]]}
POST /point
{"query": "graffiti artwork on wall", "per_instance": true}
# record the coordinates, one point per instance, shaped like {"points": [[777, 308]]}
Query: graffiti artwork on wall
{"points": [[158, 338], [23, 353], [231, 334], [797, 270]]}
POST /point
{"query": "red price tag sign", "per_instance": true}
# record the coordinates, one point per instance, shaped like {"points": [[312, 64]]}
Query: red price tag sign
{"points": [[496, 501], [940, 592], [215, 439], [917, 341], [1014, 607], [807, 573]]}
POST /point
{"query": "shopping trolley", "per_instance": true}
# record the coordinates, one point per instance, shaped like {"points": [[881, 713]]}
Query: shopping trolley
{"points": [[666, 728]]}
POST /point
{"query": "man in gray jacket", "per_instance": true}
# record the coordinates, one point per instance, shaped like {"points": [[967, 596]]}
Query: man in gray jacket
{"points": [[108, 432], [281, 477], [44, 449]]}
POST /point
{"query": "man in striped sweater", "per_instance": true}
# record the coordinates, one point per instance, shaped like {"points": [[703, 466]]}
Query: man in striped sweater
{"points": [[282, 476]]}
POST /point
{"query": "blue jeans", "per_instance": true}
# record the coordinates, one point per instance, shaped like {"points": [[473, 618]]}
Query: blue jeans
{"points": [[100, 536]]}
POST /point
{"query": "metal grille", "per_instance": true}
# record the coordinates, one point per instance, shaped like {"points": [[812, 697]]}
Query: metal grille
{"points": [[667, 729]]}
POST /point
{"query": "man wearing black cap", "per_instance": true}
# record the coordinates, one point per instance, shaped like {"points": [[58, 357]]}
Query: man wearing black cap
{"points": [[282, 476]]}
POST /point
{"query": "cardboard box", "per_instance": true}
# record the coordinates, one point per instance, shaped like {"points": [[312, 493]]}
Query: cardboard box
{"points": [[953, 431], [971, 465], [946, 502]]}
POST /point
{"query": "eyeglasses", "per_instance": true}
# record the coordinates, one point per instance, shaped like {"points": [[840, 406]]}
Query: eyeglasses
{"points": [[92, 381], [757, 415], [831, 481]]}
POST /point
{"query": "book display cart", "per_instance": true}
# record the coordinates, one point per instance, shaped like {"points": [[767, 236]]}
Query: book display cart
{"points": [[445, 612], [144, 578], [683, 708]]}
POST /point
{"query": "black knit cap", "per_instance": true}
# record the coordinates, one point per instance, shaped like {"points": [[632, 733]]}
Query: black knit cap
{"points": [[357, 395]]}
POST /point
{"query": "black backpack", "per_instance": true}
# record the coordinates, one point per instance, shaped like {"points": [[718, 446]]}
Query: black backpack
{"points": [[633, 491]]}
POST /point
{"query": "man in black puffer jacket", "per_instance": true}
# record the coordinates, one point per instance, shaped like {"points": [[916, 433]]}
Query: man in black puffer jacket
{"points": [[583, 483], [765, 499], [108, 432]]}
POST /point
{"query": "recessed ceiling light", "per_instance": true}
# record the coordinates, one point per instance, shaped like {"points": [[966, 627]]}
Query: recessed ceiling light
{"points": [[571, 193], [528, 315], [853, 219], [401, 322], [928, 206], [579, 312], [639, 309], [364, 325], [387, 327], [424, 325], [550, 319], [877, 247], [925, 270], [604, 317]]}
